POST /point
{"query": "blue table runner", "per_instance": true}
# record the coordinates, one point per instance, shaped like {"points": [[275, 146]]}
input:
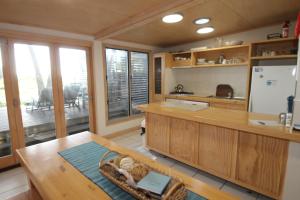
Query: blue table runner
{"points": [[86, 157]]}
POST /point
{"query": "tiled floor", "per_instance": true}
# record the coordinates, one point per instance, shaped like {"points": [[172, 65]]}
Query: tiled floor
{"points": [[14, 182]]}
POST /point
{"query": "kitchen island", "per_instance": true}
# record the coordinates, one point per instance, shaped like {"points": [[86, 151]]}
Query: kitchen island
{"points": [[225, 143]]}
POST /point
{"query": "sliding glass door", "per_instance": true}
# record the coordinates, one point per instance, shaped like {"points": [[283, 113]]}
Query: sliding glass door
{"points": [[33, 68], [74, 74], [45, 93]]}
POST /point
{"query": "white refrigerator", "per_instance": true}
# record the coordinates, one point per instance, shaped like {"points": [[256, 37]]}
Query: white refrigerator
{"points": [[270, 88], [296, 115]]}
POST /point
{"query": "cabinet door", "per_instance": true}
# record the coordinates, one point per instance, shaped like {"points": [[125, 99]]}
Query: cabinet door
{"points": [[261, 162], [217, 149], [184, 140], [232, 106], [158, 129]]}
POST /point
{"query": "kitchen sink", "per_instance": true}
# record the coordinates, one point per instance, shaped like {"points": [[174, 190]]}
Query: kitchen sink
{"points": [[186, 105]]}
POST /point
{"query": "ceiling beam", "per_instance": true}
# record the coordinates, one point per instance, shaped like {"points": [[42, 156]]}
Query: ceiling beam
{"points": [[145, 17]]}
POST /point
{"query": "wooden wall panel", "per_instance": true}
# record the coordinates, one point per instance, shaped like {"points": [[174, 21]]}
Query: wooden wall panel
{"points": [[158, 129], [184, 139], [217, 149], [261, 162]]}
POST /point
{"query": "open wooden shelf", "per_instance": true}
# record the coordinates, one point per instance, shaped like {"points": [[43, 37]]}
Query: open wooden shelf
{"points": [[222, 65], [280, 40], [273, 57], [181, 52], [212, 65], [223, 48]]}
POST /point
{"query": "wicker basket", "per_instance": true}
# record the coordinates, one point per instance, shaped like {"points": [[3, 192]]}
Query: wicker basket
{"points": [[174, 191]]}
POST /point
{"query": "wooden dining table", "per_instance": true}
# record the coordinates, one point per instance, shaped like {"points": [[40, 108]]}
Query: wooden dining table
{"points": [[53, 178]]}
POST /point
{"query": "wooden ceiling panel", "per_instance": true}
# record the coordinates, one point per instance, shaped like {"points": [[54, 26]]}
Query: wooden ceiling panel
{"points": [[108, 17], [161, 34], [228, 16], [79, 16], [260, 13]]}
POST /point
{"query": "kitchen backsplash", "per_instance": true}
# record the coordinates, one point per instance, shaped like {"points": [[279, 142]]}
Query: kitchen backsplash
{"points": [[203, 81]]}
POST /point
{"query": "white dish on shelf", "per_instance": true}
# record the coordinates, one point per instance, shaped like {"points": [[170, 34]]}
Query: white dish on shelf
{"points": [[233, 43], [199, 48]]}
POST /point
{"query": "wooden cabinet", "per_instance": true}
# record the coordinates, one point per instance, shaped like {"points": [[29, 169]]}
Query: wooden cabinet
{"points": [[253, 161], [158, 129], [217, 149], [229, 105], [283, 48], [261, 162], [184, 139], [181, 59]]}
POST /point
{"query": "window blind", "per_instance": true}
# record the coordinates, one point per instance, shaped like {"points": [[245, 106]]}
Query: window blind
{"points": [[117, 83], [139, 80]]}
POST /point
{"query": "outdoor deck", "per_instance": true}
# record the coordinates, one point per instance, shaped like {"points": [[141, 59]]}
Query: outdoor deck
{"points": [[39, 125]]}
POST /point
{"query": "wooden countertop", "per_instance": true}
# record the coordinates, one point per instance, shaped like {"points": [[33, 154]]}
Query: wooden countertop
{"points": [[55, 178], [206, 99], [234, 119]]}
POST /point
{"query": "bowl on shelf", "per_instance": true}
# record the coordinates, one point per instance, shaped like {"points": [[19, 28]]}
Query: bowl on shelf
{"points": [[201, 61], [233, 42]]}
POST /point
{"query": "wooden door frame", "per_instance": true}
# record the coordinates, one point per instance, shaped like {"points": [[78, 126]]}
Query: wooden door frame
{"points": [[12, 89], [58, 98], [57, 85], [15, 83], [90, 82], [60, 122], [9, 160]]}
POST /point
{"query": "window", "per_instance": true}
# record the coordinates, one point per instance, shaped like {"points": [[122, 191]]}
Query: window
{"points": [[127, 82], [139, 80], [157, 74]]}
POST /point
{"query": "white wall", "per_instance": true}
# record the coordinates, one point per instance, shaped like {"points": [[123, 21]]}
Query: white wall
{"points": [[203, 81]]}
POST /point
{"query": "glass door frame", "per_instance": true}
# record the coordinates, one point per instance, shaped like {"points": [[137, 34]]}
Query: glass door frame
{"points": [[90, 82], [57, 85], [11, 103], [12, 89], [58, 129]]}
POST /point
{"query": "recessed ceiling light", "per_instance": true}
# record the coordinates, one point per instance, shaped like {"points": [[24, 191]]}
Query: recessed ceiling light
{"points": [[205, 30], [173, 18], [203, 20]]}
